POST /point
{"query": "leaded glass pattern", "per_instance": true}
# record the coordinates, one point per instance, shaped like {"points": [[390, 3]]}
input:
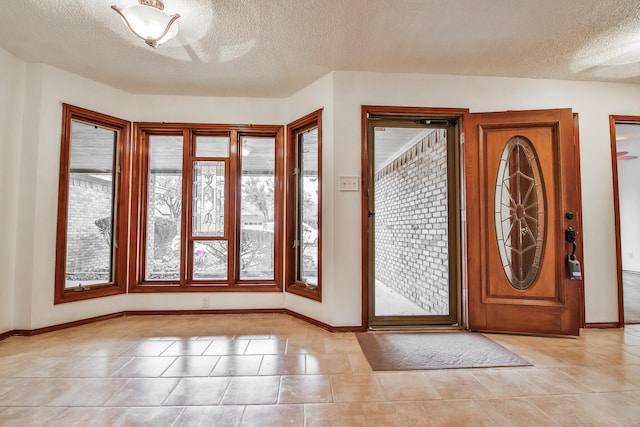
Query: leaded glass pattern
{"points": [[208, 198], [520, 217]]}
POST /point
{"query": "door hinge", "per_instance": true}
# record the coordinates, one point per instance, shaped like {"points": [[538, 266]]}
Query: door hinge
{"points": [[461, 138], [296, 171], [116, 243], [118, 169]]}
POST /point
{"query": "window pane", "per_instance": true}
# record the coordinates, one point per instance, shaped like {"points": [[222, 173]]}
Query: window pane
{"points": [[257, 214], [164, 208], [90, 207], [308, 208], [208, 199], [212, 146], [210, 259]]}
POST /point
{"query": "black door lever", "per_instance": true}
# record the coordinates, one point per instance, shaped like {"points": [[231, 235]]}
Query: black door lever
{"points": [[570, 235], [573, 265]]}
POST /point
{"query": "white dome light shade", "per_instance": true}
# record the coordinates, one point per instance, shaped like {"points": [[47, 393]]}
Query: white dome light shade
{"points": [[149, 22]]}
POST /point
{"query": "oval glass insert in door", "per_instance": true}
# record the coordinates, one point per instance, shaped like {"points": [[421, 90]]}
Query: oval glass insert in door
{"points": [[520, 217]]}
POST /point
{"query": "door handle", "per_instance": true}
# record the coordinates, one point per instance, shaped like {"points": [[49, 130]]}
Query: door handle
{"points": [[570, 235], [573, 265]]}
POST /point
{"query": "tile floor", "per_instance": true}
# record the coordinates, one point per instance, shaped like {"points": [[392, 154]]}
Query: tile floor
{"points": [[275, 370]]}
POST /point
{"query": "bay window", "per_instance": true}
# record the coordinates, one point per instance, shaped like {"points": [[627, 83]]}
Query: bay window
{"points": [[168, 207]]}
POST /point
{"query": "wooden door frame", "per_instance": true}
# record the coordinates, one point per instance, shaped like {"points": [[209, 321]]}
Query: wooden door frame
{"points": [[580, 248], [366, 110], [613, 120]]}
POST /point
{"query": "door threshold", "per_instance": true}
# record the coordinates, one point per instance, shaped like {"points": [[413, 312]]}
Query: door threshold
{"points": [[418, 328]]}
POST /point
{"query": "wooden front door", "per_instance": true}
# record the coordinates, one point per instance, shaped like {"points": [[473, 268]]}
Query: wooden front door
{"points": [[521, 196]]}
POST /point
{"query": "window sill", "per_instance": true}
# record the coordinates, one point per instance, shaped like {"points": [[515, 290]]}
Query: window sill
{"points": [[72, 295], [302, 290], [208, 287]]}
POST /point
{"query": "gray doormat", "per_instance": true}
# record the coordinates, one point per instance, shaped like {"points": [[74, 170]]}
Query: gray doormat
{"points": [[434, 350]]}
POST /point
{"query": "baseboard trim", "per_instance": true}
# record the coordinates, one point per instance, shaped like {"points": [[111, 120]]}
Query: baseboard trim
{"points": [[52, 328], [324, 325], [207, 311], [602, 325]]}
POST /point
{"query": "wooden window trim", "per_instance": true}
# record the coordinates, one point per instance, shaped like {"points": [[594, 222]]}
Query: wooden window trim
{"points": [[232, 209], [310, 121], [120, 256]]}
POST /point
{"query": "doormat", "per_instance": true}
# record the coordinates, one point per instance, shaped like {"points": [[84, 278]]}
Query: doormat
{"points": [[435, 350]]}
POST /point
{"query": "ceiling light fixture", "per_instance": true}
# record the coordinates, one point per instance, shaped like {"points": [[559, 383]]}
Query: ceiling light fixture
{"points": [[148, 21]]}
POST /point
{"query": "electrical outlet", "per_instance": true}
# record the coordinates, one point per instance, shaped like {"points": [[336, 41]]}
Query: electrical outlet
{"points": [[205, 302], [349, 183]]}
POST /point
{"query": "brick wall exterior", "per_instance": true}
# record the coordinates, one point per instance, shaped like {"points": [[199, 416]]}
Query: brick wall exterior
{"points": [[411, 224], [88, 253]]}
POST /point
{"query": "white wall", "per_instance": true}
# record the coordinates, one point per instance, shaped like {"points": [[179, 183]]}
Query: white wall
{"points": [[593, 101], [340, 94], [318, 95], [27, 164], [12, 79], [200, 109], [47, 89], [629, 194]]}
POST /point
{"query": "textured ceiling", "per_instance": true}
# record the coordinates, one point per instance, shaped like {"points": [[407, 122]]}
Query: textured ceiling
{"points": [[272, 48]]}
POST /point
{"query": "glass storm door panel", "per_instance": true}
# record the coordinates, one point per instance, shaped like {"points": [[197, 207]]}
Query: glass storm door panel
{"points": [[411, 228], [521, 196]]}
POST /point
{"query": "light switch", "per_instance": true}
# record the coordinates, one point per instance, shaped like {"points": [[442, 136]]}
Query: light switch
{"points": [[349, 183]]}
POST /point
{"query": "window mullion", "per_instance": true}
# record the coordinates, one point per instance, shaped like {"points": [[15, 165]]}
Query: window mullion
{"points": [[233, 214], [186, 229]]}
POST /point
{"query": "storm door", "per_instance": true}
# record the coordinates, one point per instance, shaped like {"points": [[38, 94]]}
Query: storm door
{"points": [[413, 221]]}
